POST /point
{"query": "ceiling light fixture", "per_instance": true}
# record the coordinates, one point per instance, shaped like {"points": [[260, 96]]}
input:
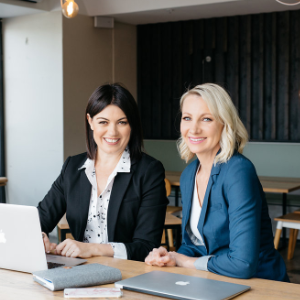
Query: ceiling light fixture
{"points": [[69, 8], [289, 4]]}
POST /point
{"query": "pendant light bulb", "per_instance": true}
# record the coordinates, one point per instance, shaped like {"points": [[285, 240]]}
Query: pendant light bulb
{"points": [[69, 8]]}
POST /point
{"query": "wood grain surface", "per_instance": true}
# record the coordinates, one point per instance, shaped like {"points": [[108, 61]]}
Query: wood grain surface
{"points": [[18, 285]]}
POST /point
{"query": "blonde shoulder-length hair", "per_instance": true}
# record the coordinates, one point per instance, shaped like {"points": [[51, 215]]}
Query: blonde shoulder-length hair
{"points": [[234, 135]]}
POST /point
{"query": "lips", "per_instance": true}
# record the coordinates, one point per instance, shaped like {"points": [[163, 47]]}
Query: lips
{"points": [[196, 140], [111, 141]]}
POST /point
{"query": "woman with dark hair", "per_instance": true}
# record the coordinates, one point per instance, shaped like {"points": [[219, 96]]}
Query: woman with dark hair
{"points": [[114, 195]]}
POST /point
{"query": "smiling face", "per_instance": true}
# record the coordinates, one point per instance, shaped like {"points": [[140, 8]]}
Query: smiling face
{"points": [[199, 128], [111, 130]]}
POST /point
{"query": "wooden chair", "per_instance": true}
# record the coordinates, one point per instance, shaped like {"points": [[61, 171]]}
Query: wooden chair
{"points": [[170, 221], [63, 230], [3, 181], [291, 221]]}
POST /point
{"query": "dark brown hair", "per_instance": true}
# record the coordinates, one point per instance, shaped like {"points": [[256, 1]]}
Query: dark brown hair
{"points": [[115, 94]]}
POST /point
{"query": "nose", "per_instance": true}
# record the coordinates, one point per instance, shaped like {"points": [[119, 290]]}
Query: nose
{"points": [[112, 130], [195, 128]]}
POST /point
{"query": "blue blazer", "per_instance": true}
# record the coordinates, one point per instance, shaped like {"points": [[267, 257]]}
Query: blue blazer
{"points": [[234, 222]]}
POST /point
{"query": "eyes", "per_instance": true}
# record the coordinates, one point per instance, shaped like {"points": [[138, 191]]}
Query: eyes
{"points": [[205, 119], [106, 122]]}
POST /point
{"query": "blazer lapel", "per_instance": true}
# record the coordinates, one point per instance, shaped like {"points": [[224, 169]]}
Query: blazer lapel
{"points": [[188, 192], [84, 190], [119, 188], [214, 171]]}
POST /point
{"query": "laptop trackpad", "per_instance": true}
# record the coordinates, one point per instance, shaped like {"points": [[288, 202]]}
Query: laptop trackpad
{"points": [[67, 261]]}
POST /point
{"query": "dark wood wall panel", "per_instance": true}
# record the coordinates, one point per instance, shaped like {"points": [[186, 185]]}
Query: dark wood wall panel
{"points": [[220, 51], [256, 58], [283, 75], [198, 38], [270, 77], [257, 50], [294, 127], [156, 81], [208, 55], [177, 83], [232, 67], [245, 72], [166, 80]]}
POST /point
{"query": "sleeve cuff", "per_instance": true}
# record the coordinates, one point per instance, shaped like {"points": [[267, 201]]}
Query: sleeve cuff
{"points": [[201, 263], [119, 250]]}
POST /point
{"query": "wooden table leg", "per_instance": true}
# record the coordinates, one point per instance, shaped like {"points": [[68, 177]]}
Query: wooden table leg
{"points": [[291, 242], [277, 238], [170, 239], [283, 213]]}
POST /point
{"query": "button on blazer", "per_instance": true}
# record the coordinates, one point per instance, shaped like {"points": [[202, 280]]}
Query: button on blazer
{"points": [[136, 210]]}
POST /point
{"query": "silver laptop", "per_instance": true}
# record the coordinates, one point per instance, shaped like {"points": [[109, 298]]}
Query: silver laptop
{"points": [[177, 286], [21, 243]]}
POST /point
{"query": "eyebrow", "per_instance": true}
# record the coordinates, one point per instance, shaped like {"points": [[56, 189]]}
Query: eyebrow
{"points": [[108, 119], [186, 113]]}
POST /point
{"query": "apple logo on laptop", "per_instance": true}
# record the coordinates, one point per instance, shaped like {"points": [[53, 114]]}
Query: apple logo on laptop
{"points": [[2, 237], [182, 283]]}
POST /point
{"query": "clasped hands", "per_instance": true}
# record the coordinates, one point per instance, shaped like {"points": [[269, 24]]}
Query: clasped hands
{"points": [[162, 258], [69, 248]]}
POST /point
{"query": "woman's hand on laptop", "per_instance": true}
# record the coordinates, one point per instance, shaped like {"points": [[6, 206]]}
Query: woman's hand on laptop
{"points": [[71, 248], [47, 244], [161, 257]]}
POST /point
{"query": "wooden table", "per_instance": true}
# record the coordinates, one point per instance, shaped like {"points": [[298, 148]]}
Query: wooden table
{"points": [[17, 285]]}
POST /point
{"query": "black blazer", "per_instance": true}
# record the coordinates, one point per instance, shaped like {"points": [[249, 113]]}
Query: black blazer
{"points": [[136, 211]]}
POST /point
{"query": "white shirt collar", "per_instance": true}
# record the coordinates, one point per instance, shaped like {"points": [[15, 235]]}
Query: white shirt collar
{"points": [[123, 165]]}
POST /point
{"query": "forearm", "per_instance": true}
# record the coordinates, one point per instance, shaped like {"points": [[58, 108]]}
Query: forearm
{"points": [[184, 261], [101, 250]]}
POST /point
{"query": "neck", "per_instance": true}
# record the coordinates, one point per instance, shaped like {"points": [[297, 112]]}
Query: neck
{"points": [[207, 160], [106, 160]]}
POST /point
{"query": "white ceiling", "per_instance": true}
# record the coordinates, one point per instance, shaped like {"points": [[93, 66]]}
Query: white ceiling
{"points": [[150, 11]]}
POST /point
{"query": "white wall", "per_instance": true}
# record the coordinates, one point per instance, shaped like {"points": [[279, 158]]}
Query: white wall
{"points": [[87, 63], [92, 57], [33, 105]]}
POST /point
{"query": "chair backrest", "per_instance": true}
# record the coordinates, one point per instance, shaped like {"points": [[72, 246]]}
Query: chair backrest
{"points": [[3, 181], [168, 187]]}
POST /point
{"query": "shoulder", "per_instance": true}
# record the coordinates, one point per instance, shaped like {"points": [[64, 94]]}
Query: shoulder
{"points": [[238, 162], [147, 163], [189, 171], [75, 162], [239, 172]]}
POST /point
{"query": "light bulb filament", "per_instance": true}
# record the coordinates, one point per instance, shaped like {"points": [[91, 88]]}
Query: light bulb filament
{"points": [[70, 8]]}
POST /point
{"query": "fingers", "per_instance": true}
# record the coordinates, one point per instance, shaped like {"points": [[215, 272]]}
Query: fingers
{"points": [[158, 257], [63, 247], [68, 248], [47, 244]]}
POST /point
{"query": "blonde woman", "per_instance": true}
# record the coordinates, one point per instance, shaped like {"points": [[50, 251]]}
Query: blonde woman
{"points": [[226, 228]]}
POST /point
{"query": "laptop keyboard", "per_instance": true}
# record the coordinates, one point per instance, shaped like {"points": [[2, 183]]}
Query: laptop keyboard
{"points": [[52, 265]]}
